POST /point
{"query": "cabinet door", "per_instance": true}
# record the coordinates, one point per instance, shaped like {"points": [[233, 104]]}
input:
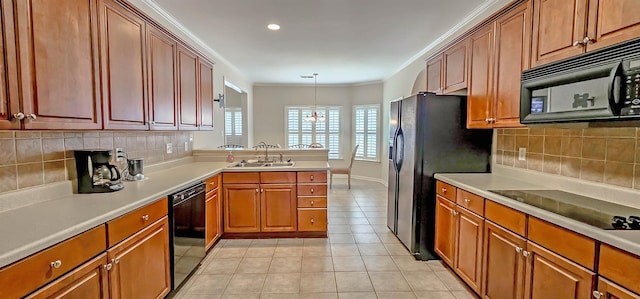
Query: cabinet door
{"points": [[87, 281], [434, 74], [613, 21], [213, 219], [206, 95], [278, 208], [141, 264], [468, 260], [187, 89], [552, 276], [454, 62], [610, 290], [445, 229], [503, 263], [123, 68], [59, 63], [8, 69], [241, 208], [513, 37], [163, 96], [557, 26], [480, 98]]}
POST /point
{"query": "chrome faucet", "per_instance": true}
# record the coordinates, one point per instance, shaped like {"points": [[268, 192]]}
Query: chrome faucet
{"points": [[266, 150]]}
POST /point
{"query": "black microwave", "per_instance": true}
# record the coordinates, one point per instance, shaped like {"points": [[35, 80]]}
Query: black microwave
{"points": [[602, 85]]}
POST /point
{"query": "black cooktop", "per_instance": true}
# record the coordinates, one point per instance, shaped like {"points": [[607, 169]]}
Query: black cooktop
{"points": [[598, 213]]}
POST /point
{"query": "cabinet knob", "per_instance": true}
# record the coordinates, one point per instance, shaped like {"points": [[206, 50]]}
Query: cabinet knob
{"points": [[311, 178], [597, 294], [518, 249], [257, 190], [115, 260], [587, 40], [313, 220], [526, 253], [145, 217], [108, 266], [19, 116], [467, 200], [578, 43], [312, 203], [56, 264], [261, 190], [32, 116], [444, 190], [455, 213], [311, 190]]}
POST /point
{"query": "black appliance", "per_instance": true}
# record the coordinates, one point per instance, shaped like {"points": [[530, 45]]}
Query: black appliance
{"points": [[428, 135], [95, 174], [598, 213], [187, 238], [599, 86]]}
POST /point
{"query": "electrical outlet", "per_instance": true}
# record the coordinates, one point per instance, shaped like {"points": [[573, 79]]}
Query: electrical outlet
{"points": [[169, 148], [186, 146], [522, 154], [119, 154]]}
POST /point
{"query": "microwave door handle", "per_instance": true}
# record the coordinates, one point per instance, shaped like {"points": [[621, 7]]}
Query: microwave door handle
{"points": [[615, 82]]}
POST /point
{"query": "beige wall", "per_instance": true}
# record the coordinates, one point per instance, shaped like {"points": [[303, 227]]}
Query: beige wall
{"points": [[32, 158]]}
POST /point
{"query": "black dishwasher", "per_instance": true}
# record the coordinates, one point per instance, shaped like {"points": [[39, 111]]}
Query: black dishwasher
{"points": [[187, 238]]}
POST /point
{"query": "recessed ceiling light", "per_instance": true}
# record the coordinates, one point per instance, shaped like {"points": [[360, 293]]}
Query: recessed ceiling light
{"points": [[273, 27]]}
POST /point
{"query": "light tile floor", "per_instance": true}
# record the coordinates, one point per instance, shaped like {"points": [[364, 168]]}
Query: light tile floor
{"points": [[360, 259]]}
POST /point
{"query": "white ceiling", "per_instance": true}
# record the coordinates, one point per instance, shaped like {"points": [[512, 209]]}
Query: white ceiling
{"points": [[345, 41]]}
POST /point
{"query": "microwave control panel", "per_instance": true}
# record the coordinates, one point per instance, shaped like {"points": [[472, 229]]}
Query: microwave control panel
{"points": [[631, 88]]}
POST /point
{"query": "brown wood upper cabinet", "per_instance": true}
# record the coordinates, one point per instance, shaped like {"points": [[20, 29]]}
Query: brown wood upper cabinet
{"points": [[206, 94], [9, 101], [499, 53], [124, 68], [447, 72], [58, 66], [188, 89], [565, 28], [163, 95]]}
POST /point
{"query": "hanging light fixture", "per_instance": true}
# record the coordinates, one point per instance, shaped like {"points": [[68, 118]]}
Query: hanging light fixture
{"points": [[315, 116]]}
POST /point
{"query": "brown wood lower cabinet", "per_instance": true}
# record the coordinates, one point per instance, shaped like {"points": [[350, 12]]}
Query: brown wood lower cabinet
{"points": [[468, 254], [140, 264], [278, 205], [445, 229], [609, 290], [241, 208], [213, 217], [549, 275], [87, 281], [503, 264]]}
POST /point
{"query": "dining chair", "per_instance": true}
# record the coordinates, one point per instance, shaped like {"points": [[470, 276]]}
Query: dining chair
{"points": [[343, 170]]}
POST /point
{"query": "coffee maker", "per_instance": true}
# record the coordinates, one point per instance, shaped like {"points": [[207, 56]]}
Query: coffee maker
{"points": [[95, 174]]}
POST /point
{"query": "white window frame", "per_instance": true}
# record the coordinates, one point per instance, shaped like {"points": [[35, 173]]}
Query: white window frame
{"points": [[364, 150], [230, 126], [322, 110]]}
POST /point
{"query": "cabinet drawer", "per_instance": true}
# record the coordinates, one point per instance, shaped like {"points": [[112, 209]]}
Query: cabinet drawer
{"points": [[620, 266], [470, 201], [240, 178], [571, 245], [126, 225], [508, 218], [277, 177], [28, 274], [312, 220], [312, 177], [212, 182], [445, 190], [312, 202], [312, 190]]}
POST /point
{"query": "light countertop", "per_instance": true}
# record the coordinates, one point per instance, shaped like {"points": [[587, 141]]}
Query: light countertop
{"points": [[31, 228], [480, 183]]}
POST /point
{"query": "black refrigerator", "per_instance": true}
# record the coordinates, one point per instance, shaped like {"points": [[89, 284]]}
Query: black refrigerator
{"points": [[428, 136]]}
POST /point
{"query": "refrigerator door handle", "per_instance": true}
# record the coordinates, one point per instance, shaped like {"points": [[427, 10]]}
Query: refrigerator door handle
{"points": [[399, 156], [394, 153]]}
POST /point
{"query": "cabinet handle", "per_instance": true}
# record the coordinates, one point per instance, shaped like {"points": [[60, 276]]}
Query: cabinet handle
{"points": [[108, 266], [56, 264], [313, 220], [115, 260], [312, 203], [597, 294], [145, 217], [311, 178], [578, 43], [32, 116], [587, 40], [444, 190], [19, 116], [518, 249]]}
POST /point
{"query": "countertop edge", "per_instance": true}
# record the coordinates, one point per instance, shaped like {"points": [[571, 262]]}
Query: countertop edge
{"points": [[613, 238]]}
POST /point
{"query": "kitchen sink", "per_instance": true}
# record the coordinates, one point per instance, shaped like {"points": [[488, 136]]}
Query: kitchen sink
{"points": [[261, 164]]}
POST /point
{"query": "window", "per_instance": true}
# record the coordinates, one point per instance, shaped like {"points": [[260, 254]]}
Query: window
{"points": [[326, 133], [233, 125], [365, 131]]}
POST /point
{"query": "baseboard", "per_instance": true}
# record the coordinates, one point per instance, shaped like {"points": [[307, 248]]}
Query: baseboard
{"points": [[370, 179]]}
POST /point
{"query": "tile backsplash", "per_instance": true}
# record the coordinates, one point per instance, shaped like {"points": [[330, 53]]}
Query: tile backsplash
{"points": [[31, 158], [604, 155]]}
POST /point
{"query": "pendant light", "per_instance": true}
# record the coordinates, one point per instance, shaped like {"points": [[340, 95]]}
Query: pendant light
{"points": [[314, 117]]}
